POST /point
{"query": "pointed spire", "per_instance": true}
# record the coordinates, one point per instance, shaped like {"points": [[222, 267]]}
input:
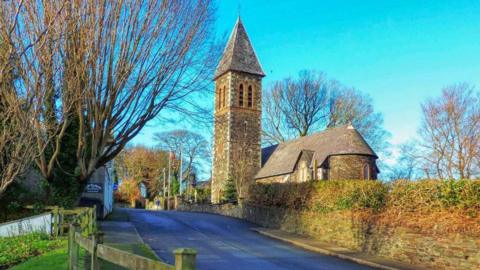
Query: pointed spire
{"points": [[239, 54]]}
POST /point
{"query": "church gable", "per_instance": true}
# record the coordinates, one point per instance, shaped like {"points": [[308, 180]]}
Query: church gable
{"points": [[343, 140]]}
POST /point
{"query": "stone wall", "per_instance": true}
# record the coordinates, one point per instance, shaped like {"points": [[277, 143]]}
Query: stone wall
{"points": [[237, 132], [348, 229], [350, 167]]}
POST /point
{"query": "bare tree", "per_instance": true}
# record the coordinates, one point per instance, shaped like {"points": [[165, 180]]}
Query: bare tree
{"points": [[450, 133], [350, 106], [298, 107], [408, 165], [194, 147], [295, 107], [111, 66], [16, 134]]}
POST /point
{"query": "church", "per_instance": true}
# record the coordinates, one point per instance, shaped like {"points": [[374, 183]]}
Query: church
{"points": [[336, 153]]}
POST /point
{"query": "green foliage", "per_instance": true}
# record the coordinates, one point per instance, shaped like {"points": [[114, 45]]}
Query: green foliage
{"points": [[410, 196], [19, 248], [65, 187], [175, 186], [11, 202], [203, 195], [230, 191], [435, 194]]}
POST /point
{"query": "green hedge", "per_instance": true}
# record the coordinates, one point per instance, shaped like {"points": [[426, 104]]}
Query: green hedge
{"points": [[19, 248], [326, 196]]}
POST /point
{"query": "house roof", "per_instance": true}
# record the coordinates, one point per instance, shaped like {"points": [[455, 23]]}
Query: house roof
{"points": [[282, 158], [239, 54]]}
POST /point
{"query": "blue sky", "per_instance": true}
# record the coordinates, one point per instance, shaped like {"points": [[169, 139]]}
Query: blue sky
{"points": [[399, 52]]}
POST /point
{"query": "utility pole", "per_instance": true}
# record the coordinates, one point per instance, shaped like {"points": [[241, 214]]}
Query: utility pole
{"points": [[164, 182], [169, 175], [181, 172]]}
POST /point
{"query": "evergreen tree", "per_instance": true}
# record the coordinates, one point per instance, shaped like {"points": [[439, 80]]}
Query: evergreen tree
{"points": [[230, 191]]}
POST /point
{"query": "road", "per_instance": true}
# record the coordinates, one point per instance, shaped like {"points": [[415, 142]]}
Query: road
{"points": [[225, 243]]}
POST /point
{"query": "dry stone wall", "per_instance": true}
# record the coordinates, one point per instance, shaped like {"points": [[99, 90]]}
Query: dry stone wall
{"points": [[348, 229]]}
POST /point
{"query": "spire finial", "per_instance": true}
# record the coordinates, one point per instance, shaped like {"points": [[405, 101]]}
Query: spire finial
{"points": [[239, 8]]}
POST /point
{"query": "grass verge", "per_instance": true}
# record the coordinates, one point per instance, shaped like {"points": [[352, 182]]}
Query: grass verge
{"points": [[58, 259], [14, 250]]}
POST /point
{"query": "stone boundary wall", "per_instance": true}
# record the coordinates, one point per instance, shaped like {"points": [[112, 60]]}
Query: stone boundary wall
{"points": [[452, 251]]}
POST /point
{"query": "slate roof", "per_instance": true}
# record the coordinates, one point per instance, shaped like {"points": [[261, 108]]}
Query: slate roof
{"points": [[239, 54], [281, 159]]}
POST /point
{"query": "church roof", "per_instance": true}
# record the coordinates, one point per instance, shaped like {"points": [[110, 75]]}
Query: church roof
{"points": [[239, 54], [281, 159]]}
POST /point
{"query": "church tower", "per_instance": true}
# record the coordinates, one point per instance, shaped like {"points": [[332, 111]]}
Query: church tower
{"points": [[238, 111]]}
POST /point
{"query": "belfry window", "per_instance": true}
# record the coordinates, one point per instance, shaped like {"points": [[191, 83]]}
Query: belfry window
{"points": [[240, 95], [250, 96]]}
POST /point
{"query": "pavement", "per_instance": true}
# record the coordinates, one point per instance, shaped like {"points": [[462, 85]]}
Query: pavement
{"points": [[119, 232], [226, 243]]}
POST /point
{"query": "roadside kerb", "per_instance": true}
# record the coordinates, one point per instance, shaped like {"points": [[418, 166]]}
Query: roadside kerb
{"points": [[341, 253]]}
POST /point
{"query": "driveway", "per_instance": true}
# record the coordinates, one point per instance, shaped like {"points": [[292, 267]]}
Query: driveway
{"points": [[225, 243]]}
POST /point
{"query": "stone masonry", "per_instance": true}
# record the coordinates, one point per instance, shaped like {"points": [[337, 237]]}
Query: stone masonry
{"points": [[238, 111], [237, 132]]}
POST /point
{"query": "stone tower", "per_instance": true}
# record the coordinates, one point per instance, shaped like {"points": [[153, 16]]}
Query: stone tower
{"points": [[238, 109]]}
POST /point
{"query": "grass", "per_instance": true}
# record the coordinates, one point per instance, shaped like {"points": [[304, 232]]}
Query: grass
{"points": [[14, 250], [58, 259]]}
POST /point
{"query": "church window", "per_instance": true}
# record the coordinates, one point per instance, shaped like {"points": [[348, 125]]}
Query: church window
{"points": [[366, 172], [240, 95], [250, 96]]}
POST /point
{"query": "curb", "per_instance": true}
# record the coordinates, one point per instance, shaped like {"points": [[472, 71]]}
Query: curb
{"points": [[326, 251]]}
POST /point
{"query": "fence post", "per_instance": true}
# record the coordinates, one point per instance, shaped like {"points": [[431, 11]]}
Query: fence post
{"points": [[97, 238], [185, 258], [61, 230], [89, 218], [55, 221], [94, 217], [73, 247]]}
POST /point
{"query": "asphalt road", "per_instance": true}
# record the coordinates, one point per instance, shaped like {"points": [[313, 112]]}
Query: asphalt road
{"points": [[225, 243]]}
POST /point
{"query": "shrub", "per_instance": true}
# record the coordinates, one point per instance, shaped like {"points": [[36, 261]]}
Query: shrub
{"points": [[230, 191], [203, 195], [410, 196], [19, 248]]}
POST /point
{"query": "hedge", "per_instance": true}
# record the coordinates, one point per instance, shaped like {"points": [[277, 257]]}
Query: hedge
{"points": [[326, 196]]}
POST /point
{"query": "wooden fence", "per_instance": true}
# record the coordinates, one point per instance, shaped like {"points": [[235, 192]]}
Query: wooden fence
{"points": [[184, 258], [86, 217]]}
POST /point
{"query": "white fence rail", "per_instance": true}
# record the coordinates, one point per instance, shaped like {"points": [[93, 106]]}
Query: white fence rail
{"points": [[39, 223]]}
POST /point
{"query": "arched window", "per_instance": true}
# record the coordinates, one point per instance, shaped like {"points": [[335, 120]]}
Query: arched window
{"points": [[240, 95], [366, 172], [250, 96]]}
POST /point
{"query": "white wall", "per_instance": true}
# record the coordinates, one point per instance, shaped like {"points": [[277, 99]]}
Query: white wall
{"points": [[38, 223]]}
